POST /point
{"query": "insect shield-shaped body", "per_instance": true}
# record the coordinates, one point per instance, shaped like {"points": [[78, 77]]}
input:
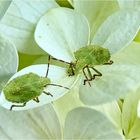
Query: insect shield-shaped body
{"points": [[30, 86], [25, 88], [88, 57], [91, 56]]}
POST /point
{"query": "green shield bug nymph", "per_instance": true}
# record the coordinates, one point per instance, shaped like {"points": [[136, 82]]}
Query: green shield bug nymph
{"points": [[86, 58], [27, 87]]}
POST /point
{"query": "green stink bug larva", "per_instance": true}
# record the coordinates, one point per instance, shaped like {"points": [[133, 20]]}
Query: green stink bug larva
{"points": [[86, 58], [27, 87]]}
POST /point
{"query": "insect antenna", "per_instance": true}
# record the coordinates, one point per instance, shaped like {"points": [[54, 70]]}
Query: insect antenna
{"points": [[49, 58], [57, 86], [71, 64], [60, 60]]}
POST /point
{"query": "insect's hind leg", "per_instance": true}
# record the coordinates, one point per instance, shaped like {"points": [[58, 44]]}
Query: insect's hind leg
{"points": [[87, 79], [92, 77], [97, 73], [17, 106]]}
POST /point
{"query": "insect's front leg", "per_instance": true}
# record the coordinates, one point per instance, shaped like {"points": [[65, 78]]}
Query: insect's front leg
{"points": [[72, 69], [17, 106]]}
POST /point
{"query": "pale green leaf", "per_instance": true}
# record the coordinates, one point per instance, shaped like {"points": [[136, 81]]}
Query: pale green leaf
{"points": [[40, 123], [130, 120], [138, 109], [26, 60], [61, 32], [96, 11], [20, 21], [117, 81], [137, 38], [56, 74], [70, 1], [118, 30], [85, 123], [64, 3], [44, 60], [4, 4], [8, 60]]}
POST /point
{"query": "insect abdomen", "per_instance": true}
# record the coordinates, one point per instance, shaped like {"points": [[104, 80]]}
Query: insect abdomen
{"points": [[23, 89], [92, 55], [23, 95]]}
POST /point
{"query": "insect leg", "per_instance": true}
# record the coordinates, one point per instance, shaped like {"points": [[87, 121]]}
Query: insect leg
{"points": [[36, 99], [49, 58], [89, 73], [60, 60], [86, 80], [97, 73], [17, 106], [47, 93], [109, 63], [57, 85], [71, 66]]}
